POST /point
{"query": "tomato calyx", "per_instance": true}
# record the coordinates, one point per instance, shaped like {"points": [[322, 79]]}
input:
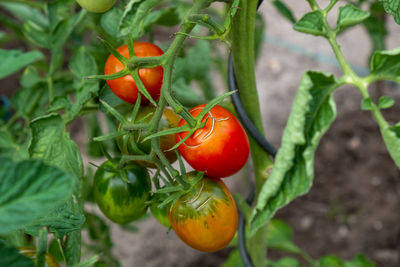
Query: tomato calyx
{"points": [[168, 195], [200, 121]]}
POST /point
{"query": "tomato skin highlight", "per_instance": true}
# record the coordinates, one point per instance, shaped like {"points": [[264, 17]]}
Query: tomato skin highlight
{"points": [[119, 201], [168, 120], [96, 6], [125, 87], [206, 218], [220, 148]]}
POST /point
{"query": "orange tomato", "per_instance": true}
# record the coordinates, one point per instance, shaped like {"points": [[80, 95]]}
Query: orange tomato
{"points": [[206, 218]]}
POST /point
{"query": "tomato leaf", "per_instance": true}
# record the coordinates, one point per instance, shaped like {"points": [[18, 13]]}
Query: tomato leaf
{"points": [[391, 137], [52, 144], [133, 20], [10, 256], [30, 77], [14, 60], [279, 237], [234, 260], [349, 15], [110, 21], [30, 190], [26, 13], [386, 64], [385, 102], [60, 221], [392, 7], [312, 113], [366, 104], [284, 10], [312, 23], [9, 149], [81, 65]]}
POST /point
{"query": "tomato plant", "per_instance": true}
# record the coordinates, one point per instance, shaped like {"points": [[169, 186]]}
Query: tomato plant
{"points": [[220, 148], [125, 87], [168, 120], [97, 6], [65, 90], [206, 217], [122, 194]]}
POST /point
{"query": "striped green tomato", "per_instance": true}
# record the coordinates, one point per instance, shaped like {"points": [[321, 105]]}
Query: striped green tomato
{"points": [[121, 201]]}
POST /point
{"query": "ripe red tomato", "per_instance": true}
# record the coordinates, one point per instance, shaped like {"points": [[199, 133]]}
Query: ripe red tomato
{"points": [[205, 218], [220, 148], [97, 6], [125, 87]]}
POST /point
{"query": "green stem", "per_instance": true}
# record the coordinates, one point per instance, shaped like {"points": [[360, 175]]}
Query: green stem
{"points": [[350, 76], [347, 69], [169, 60], [102, 242], [244, 61], [313, 4], [332, 3]]}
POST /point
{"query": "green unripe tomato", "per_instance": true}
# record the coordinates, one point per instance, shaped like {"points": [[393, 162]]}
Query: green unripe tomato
{"points": [[160, 214], [120, 201], [168, 120], [96, 6]]}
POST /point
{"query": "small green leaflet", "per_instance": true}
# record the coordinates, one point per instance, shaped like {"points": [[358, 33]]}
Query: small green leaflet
{"points": [[386, 64], [312, 23], [392, 7], [284, 10], [14, 60], [279, 237], [391, 137], [385, 102], [350, 15], [312, 114]]}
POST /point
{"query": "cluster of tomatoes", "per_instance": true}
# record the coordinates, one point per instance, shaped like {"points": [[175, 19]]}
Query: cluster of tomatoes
{"points": [[205, 217]]}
